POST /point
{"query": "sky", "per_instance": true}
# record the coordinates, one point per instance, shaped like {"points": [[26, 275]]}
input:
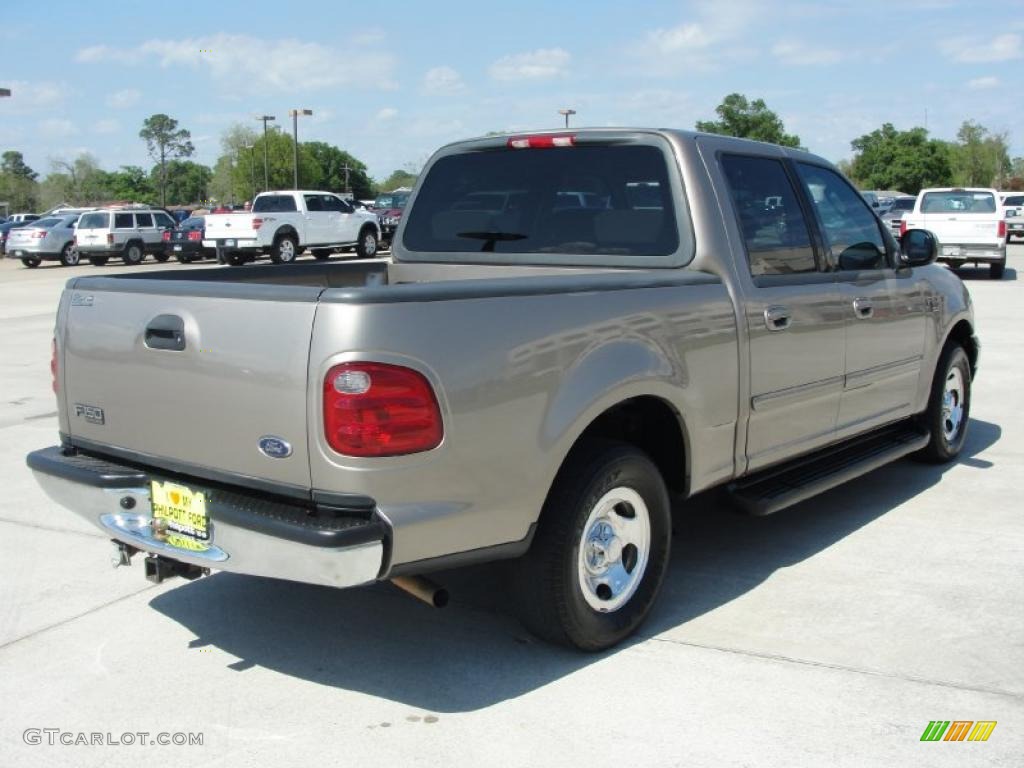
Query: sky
{"points": [[392, 81]]}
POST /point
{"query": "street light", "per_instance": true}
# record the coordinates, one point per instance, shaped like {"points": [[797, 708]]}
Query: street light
{"points": [[252, 167], [566, 113], [266, 163], [294, 115]]}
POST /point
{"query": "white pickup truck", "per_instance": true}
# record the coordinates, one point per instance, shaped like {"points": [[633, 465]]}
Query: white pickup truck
{"points": [[970, 225], [283, 224]]}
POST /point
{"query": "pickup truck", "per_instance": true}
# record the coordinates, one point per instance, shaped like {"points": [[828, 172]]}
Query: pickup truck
{"points": [[531, 382], [283, 224], [970, 225], [1014, 207]]}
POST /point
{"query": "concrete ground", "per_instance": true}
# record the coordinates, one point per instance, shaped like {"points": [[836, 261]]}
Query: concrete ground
{"points": [[826, 635]]}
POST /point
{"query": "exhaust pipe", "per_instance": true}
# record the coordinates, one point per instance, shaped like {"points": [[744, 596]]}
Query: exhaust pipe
{"points": [[423, 589]]}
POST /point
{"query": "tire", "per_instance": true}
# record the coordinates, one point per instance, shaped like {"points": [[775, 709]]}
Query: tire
{"points": [[996, 269], [949, 407], [367, 246], [285, 250], [161, 257], [98, 261], [30, 262], [562, 593], [182, 258], [133, 254], [235, 259], [69, 256], [321, 254]]}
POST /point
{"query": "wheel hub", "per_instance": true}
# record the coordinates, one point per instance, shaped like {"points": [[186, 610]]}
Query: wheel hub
{"points": [[614, 550], [953, 405]]}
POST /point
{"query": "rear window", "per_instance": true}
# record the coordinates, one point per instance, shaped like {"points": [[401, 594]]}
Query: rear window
{"points": [[958, 201], [44, 223], [94, 221], [1014, 200], [196, 222], [577, 203], [904, 204], [274, 204]]}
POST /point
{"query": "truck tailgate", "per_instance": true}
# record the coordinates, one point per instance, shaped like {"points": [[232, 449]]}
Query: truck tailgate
{"points": [[239, 376], [229, 225]]}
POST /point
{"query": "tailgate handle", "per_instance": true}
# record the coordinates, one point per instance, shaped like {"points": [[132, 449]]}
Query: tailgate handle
{"points": [[166, 332]]}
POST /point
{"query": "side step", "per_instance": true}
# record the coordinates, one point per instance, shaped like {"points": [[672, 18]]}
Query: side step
{"points": [[770, 490]]}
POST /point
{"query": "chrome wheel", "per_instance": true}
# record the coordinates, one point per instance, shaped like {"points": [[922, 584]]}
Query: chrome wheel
{"points": [[369, 244], [614, 550], [953, 404], [70, 257], [286, 250]]}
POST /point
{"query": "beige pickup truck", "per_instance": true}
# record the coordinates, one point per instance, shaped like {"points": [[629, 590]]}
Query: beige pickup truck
{"points": [[574, 329]]}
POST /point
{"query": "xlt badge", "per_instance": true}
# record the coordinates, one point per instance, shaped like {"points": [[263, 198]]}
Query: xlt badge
{"points": [[91, 413]]}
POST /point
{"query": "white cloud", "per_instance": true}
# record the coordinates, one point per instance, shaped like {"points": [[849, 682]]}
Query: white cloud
{"points": [[685, 37], [983, 83], [241, 63], [717, 33], [541, 64], [106, 126], [975, 49], [123, 99], [802, 55], [387, 113], [28, 96], [443, 80], [57, 128]]}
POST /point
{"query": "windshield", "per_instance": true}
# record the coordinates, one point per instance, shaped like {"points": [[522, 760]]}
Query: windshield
{"points": [[392, 200], [958, 201]]}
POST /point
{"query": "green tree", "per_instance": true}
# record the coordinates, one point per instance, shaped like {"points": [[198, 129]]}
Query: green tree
{"points": [[333, 176], [900, 160], [980, 158], [78, 182], [130, 183], [187, 182], [13, 163], [18, 185], [165, 140], [400, 178], [222, 183], [749, 120], [281, 162]]}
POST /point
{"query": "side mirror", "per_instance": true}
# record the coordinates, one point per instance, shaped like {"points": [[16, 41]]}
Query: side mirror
{"points": [[918, 247]]}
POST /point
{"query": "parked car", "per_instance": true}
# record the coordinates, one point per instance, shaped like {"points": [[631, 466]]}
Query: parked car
{"points": [[389, 208], [128, 234], [185, 242], [1014, 207], [21, 218], [49, 239], [968, 222], [283, 224], [526, 384], [894, 215], [5, 230]]}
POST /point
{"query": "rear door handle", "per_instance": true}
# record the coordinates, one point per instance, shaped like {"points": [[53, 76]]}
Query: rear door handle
{"points": [[166, 332], [777, 318], [863, 308]]}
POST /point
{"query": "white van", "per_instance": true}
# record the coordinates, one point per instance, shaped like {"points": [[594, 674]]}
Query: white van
{"points": [[127, 233]]}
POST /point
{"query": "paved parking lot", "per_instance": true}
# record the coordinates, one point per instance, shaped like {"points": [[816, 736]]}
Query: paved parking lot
{"points": [[826, 635]]}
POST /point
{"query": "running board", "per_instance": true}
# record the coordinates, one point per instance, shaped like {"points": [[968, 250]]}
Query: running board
{"points": [[770, 490]]}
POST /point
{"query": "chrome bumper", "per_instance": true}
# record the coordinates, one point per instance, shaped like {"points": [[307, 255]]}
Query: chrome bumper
{"points": [[233, 548]]}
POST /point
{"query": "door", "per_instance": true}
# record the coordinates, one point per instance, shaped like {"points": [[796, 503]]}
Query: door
{"points": [[883, 307], [147, 228], [344, 222], [124, 229], [318, 221], [792, 312]]}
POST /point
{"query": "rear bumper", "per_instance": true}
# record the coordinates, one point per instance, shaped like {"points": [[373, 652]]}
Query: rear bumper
{"points": [[977, 253], [249, 534], [23, 252]]}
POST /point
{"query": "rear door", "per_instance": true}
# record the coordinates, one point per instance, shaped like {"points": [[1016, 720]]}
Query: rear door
{"points": [[92, 229], [194, 381], [147, 229], [124, 228]]}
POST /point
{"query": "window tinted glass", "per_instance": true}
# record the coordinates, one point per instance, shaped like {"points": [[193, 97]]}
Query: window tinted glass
{"points": [[773, 225], [196, 222], [851, 230], [94, 221], [904, 204], [1014, 200], [314, 203], [163, 220], [44, 223], [540, 201], [958, 201], [274, 204], [144, 219], [332, 203], [123, 221]]}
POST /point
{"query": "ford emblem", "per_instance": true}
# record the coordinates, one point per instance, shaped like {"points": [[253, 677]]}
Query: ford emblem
{"points": [[275, 447]]}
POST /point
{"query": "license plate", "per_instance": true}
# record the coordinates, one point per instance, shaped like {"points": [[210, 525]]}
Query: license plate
{"points": [[951, 251], [177, 247], [19, 254], [229, 243], [179, 516]]}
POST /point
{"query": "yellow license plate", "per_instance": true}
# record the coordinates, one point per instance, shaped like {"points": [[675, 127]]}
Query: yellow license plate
{"points": [[179, 515]]}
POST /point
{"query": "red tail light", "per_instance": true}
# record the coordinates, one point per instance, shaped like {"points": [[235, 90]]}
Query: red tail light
{"points": [[166, 236], [195, 234], [373, 409], [39, 234], [543, 141], [903, 227], [110, 238], [53, 366], [257, 223], [1001, 231]]}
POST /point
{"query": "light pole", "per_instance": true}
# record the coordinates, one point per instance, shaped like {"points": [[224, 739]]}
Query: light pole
{"points": [[5, 91], [294, 114], [566, 113], [252, 168], [266, 163]]}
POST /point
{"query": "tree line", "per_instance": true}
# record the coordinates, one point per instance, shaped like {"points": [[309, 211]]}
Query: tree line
{"points": [[174, 179]]}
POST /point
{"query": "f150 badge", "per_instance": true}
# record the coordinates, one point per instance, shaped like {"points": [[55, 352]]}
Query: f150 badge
{"points": [[91, 413]]}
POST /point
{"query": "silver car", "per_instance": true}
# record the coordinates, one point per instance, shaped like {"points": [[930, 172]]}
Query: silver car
{"points": [[49, 239]]}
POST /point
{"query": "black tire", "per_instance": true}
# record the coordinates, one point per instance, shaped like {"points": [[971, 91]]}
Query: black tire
{"points": [[133, 254], [161, 257], [183, 258], [69, 256], [321, 254], [30, 262], [235, 259], [946, 443], [285, 250], [98, 261], [549, 579], [368, 244], [996, 269]]}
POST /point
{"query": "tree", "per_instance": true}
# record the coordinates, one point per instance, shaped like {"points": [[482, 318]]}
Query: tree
{"points": [[130, 183], [18, 185], [900, 160], [234, 171], [78, 182], [401, 178], [748, 120], [333, 176], [13, 164], [980, 158], [165, 141], [187, 182]]}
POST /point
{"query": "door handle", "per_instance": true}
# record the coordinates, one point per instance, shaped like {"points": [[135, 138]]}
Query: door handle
{"points": [[863, 308], [166, 332], [777, 318]]}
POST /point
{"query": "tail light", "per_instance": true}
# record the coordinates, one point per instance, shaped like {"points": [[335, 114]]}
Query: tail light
{"points": [[903, 227], [110, 238], [543, 141], [195, 234], [1001, 230], [257, 223], [374, 409], [39, 234], [53, 366], [166, 236]]}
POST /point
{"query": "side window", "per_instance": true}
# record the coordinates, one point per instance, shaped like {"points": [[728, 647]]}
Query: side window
{"points": [[773, 225], [314, 203], [346, 206], [123, 221], [144, 219], [333, 204], [163, 220], [851, 230]]}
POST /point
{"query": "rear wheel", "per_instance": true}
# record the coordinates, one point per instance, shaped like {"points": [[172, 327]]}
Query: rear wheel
{"points": [[133, 254], [30, 262], [182, 258], [98, 261], [321, 254], [366, 248], [284, 250], [235, 259], [996, 269], [161, 257], [949, 406], [69, 256], [601, 549]]}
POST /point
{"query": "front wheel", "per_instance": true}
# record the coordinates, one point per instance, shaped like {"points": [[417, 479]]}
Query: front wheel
{"points": [[30, 262], [366, 248], [949, 407], [98, 261], [601, 549], [69, 256], [284, 250], [235, 259], [161, 257]]}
